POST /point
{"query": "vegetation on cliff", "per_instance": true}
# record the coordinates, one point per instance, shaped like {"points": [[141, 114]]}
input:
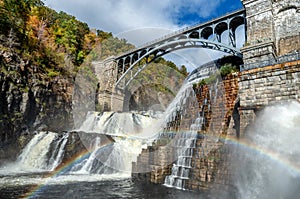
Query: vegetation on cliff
{"points": [[41, 51]]}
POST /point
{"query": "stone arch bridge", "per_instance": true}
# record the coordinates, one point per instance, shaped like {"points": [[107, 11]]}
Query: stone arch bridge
{"points": [[116, 73]]}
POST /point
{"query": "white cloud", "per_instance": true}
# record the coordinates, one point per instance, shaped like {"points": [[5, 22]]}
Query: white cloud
{"points": [[121, 15], [142, 21]]}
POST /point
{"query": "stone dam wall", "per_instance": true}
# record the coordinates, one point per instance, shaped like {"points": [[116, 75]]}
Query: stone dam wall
{"points": [[243, 95], [209, 164], [266, 86]]}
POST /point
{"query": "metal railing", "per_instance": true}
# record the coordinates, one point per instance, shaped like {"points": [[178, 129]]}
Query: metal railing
{"points": [[180, 31], [282, 59]]}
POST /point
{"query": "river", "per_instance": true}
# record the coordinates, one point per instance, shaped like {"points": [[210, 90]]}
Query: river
{"points": [[37, 185]]}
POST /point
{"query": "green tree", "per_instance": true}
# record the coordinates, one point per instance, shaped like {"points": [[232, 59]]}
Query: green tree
{"points": [[183, 70], [15, 14]]}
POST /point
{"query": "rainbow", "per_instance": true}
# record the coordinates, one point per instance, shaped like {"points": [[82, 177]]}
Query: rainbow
{"points": [[282, 161], [275, 157], [61, 169]]}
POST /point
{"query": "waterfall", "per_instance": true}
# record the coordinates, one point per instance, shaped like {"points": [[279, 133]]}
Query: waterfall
{"points": [[113, 139], [130, 131], [185, 142], [58, 152], [35, 156], [269, 160], [86, 165], [114, 158], [191, 121], [117, 124]]}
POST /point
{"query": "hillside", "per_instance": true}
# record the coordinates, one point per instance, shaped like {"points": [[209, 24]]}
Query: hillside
{"points": [[41, 52]]}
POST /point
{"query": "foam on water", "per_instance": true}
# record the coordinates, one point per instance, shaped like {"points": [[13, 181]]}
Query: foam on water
{"points": [[268, 171]]}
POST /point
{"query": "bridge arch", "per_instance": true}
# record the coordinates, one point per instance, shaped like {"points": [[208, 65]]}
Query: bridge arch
{"points": [[236, 22], [165, 48], [220, 29], [207, 32], [205, 35], [194, 35]]}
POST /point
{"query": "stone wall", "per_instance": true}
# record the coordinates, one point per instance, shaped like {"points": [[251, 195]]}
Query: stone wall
{"points": [[273, 29], [287, 25], [265, 86], [211, 170], [211, 159], [153, 165]]}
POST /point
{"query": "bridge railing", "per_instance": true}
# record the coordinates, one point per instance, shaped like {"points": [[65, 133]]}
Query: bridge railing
{"points": [[282, 59], [180, 31]]}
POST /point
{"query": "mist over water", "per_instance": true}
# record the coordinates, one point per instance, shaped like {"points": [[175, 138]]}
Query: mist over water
{"points": [[268, 165]]}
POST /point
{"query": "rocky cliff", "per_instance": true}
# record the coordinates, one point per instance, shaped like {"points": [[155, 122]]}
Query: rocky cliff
{"points": [[30, 100]]}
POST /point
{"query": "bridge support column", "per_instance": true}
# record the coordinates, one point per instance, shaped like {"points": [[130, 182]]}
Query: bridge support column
{"points": [[260, 43], [117, 101], [108, 97], [110, 101]]}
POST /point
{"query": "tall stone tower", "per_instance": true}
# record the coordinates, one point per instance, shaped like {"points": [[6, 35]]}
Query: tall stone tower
{"points": [[108, 98], [273, 29]]}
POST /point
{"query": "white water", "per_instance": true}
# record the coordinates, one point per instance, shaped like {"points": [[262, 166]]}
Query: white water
{"points": [[131, 133], [37, 155], [269, 165], [184, 100], [185, 142], [59, 150], [86, 165], [118, 124]]}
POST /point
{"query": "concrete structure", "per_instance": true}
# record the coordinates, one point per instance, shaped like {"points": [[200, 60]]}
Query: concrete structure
{"points": [[271, 75], [271, 56], [116, 73], [272, 31]]}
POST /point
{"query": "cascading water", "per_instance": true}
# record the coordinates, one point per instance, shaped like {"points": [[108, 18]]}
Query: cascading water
{"points": [[269, 160], [130, 134], [117, 124], [183, 142], [57, 154], [86, 165], [192, 121], [43, 153]]}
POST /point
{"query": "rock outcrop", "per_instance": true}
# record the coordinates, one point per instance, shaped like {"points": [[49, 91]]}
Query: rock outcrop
{"points": [[31, 99]]}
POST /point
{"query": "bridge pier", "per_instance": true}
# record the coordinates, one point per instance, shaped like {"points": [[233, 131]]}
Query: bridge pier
{"points": [[267, 37], [108, 97], [110, 101]]}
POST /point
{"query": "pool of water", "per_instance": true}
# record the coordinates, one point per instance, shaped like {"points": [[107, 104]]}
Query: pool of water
{"points": [[40, 185]]}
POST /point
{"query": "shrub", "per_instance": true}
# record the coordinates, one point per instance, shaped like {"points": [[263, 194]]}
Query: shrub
{"points": [[227, 69]]}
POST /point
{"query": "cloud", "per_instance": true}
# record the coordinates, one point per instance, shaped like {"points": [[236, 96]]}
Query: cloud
{"points": [[201, 8], [121, 15], [143, 21]]}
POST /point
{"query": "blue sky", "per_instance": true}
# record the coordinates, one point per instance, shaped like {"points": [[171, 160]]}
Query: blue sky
{"points": [[220, 8], [140, 21], [121, 15]]}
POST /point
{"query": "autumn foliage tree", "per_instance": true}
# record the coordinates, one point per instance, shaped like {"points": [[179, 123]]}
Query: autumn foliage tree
{"points": [[55, 41]]}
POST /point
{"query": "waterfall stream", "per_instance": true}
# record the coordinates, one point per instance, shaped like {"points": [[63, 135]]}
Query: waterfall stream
{"points": [[183, 142], [43, 153], [269, 162], [128, 134]]}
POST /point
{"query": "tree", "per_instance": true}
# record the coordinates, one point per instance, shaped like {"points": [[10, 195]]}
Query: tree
{"points": [[16, 14], [183, 70], [103, 35]]}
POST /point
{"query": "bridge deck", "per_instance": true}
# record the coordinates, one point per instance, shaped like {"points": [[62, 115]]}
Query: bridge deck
{"points": [[181, 31]]}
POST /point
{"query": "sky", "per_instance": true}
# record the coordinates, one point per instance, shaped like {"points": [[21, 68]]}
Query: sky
{"points": [[140, 21]]}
